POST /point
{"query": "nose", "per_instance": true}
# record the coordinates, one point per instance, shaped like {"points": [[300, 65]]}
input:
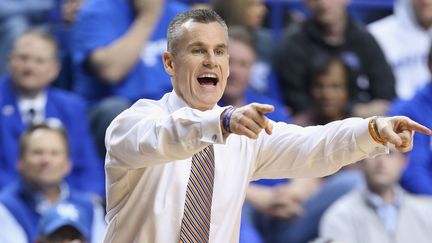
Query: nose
{"points": [[210, 60]]}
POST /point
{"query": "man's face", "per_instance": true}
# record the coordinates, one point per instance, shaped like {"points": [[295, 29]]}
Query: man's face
{"points": [[423, 11], [199, 69], [327, 12], [32, 63], [242, 58], [45, 160], [384, 171], [329, 91]]}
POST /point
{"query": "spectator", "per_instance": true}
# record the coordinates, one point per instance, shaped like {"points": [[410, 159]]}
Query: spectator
{"points": [[43, 165], [26, 97], [328, 91], [380, 212], [16, 17], [65, 222], [250, 14], [117, 55], [331, 29], [405, 38], [417, 177]]}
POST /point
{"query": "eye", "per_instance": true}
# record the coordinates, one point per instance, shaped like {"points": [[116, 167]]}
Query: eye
{"points": [[220, 52], [198, 51]]}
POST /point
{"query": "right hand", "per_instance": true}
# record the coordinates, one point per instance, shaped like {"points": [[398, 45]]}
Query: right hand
{"points": [[148, 8], [249, 120]]}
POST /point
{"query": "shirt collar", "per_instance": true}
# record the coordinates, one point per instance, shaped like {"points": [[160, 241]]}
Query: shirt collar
{"points": [[377, 202], [175, 102]]}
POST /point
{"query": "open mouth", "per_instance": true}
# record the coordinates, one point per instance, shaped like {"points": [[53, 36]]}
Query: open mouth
{"points": [[208, 79]]}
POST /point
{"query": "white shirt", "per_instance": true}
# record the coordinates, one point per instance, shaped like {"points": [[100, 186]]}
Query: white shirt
{"points": [[37, 104], [406, 47], [148, 163]]}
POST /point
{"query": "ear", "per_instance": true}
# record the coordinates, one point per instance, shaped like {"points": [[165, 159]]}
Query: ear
{"points": [[168, 61]]}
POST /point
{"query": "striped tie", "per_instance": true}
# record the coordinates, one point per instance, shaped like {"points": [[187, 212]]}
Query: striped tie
{"points": [[195, 225]]}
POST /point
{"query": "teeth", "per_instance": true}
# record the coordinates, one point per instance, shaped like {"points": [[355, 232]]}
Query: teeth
{"points": [[207, 75]]}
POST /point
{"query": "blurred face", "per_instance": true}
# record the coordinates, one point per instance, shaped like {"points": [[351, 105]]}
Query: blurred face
{"points": [[423, 11], [383, 172], [199, 69], [45, 160], [242, 58], [327, 12], [330, 91], [70, 9], [255, 13], [32, 63]]}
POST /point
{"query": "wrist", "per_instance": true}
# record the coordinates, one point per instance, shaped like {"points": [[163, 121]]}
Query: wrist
{"points": [[226, 120], [374, 132]]}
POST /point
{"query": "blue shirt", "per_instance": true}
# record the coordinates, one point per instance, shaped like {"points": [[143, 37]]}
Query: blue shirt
{"points": [[101, 22], [69, 109], [417, 177]]}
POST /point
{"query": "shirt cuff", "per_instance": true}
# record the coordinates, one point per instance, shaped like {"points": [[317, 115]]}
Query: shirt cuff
{"points": [[365, 141], [211, 126]]}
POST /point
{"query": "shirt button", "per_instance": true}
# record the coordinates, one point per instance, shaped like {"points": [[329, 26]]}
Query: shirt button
{"points": [[214, 138]]}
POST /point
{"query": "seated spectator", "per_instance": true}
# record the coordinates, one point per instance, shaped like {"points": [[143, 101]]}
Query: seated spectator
{"points": [[16, 17], [417, 177], [250, 14], [380, 211], [328, 85], [43, 165], [26, 97], [117, 51], [405, 39], [331, 29], [242, 58], [66, 222]]}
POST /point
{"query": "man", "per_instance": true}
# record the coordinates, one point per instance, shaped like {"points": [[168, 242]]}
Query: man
{"points": [[43, 165], [26, 97], [405, 39], [175, 163], [66, 222], [331, 29], [380, 212]]}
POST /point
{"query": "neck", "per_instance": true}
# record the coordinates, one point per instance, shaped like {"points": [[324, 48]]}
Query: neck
{"points": [[334, 33], [51, 192], [27, 93], [387, 194]]}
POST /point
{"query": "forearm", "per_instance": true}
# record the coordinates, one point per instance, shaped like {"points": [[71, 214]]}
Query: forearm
{"points": [[115, 61], [140, 139]]}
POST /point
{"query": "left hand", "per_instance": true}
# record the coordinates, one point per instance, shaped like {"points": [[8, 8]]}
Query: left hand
{"points": [[399, 130]]}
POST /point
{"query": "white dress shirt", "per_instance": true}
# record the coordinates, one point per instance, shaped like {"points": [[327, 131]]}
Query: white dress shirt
{"points": [[148, 163], [36, 104]]}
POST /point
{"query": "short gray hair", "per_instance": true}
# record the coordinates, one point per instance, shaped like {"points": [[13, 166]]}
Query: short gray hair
{"points": [[204, 16]]}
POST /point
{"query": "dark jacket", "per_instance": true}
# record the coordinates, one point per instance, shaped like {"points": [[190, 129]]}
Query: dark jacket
{"points": [[369, 74]]}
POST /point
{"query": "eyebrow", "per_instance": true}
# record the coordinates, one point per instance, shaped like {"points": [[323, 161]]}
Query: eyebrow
{"points": [[200, 43]]}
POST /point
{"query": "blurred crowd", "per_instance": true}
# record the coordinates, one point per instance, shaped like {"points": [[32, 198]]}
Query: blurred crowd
{"points": [[68, 67]]}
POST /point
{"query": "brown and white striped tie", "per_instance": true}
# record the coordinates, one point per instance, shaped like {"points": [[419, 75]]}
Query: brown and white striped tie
{"points": [[195, 225]]}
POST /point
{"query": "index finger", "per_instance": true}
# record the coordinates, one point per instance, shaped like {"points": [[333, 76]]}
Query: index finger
{"points": [[263, 108], [412, 125]]}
